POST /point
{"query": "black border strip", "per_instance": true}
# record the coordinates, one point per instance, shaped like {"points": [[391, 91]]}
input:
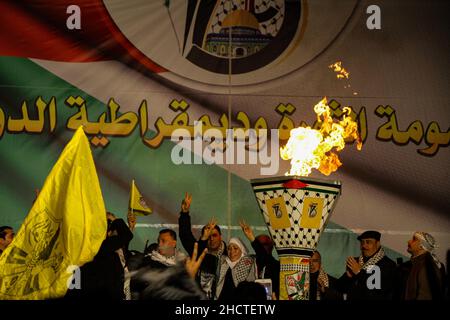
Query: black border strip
{"points": [[295, 252], [281, 180]]}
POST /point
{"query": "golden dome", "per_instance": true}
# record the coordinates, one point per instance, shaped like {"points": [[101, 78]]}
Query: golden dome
{"points": [[240, 18]]}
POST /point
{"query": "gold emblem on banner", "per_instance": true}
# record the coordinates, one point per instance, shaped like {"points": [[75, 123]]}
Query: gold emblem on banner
{"points": [[311, 213], [278, 216]]}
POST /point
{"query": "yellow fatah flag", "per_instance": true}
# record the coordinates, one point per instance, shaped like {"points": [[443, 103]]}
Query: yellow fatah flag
{"points": [[65, 228], [137, 205]]}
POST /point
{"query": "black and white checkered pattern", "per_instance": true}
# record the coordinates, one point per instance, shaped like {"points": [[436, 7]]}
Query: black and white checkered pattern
{"points": [[244, 270], [296, 237], [294, 267], [271, 26]]}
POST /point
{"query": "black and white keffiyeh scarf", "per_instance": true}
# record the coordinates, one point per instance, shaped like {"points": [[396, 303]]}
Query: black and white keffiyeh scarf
{"points": [[126, 273], [428, 243], [208, 280], [167, 261], [323, 279], [243, 270], [219, 252], [372, 261]]}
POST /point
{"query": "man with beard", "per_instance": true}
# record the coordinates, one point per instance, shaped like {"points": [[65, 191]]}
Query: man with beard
{"points": [[321, 285], [371, 275], [422, 278]]}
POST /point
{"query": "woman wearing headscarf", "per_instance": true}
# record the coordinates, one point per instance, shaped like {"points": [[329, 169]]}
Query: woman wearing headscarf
{"points": [[236, 267], [422, 278]]}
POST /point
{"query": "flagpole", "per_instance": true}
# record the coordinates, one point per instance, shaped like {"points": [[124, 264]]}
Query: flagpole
{"points": [[167, 5], [131, 206], [132, 190]]}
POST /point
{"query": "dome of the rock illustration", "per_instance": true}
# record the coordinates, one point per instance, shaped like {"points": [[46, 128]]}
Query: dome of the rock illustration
{"points": [[240, 18], [246, 38]]}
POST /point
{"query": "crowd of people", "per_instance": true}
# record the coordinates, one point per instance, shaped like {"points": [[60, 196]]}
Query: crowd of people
{"points": [[216, 270]]}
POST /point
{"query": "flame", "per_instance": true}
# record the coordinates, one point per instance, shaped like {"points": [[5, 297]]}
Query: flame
{"points": [[339, 69], [316, 149]]}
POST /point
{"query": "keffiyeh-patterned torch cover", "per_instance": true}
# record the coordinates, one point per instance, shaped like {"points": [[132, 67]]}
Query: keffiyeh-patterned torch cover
{"points": [[296, 211]]}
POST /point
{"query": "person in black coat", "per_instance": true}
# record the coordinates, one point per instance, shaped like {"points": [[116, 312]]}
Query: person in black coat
{"points": [[322, 286], [211, 238], [165, 254], [268, 267], [103, 277], [423, 277], [370, 276], [170, 283]]}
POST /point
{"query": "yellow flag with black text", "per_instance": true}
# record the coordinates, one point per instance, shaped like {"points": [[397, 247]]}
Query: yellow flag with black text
{"points": [[137, 204], [64, 228]]}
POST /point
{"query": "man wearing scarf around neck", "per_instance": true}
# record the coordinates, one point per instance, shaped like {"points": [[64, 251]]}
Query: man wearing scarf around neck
{"points": [[166, 254], [211, 238], [354, 282], [422, 278], [322, 285]]}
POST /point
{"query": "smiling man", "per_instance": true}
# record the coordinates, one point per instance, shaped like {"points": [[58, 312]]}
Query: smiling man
{"points": [[371, 275]]}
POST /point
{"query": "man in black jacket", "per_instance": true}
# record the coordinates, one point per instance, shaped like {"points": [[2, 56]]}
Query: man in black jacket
{"points": [[165, 254], [370, 276], [211, 238]]}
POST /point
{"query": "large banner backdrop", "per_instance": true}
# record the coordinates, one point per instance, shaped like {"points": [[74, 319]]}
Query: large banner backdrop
{"points": [[140, 75]]}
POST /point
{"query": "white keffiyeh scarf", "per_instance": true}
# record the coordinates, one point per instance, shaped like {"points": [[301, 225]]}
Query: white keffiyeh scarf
{"points": [[428, 243], [167, 261]]}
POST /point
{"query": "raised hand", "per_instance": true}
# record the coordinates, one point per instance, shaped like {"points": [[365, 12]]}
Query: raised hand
{"points": [[193, 263], [247, 230], [209, 228], [186, 203]]}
